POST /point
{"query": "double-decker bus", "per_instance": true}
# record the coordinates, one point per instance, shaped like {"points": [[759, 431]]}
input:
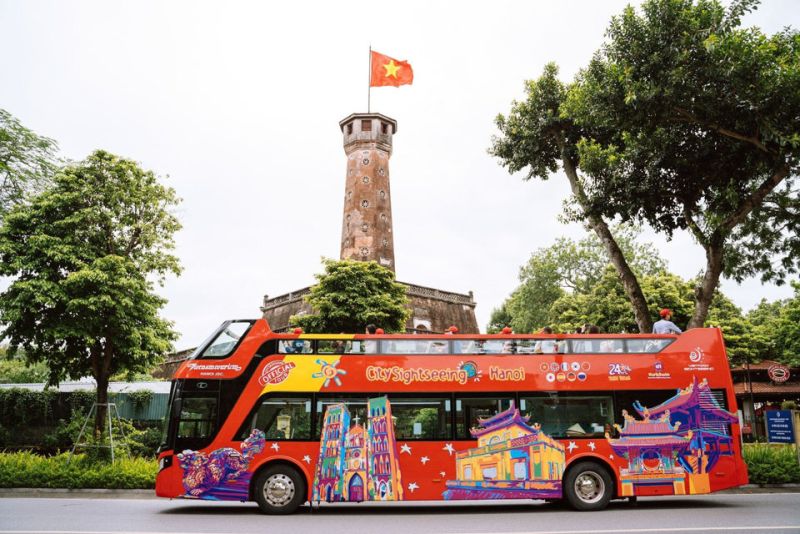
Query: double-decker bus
{"points": [[284, 419]]}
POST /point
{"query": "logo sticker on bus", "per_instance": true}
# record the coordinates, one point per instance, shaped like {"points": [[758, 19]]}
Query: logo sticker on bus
{"points": [[618, 372], [275, 372]]}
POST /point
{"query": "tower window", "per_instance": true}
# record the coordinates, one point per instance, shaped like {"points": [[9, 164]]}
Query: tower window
{"points": [[364, 251], [349, 128], [365, 161], [384, 128], [365, 203], [365, 179], [366, 126], [383, 194], [364, 227], [381, 171]]}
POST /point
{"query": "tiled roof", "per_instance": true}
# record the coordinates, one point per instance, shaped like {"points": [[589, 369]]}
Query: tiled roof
{"points": [[742, 388]]}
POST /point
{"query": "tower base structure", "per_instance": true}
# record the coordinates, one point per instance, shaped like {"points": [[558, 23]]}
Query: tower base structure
{"points": [[432, 310]]}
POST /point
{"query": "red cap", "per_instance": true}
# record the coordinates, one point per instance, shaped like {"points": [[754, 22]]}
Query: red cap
{"points": [[379, 331], [453, 329], [507, 330], [665, 312], [298, 330]]}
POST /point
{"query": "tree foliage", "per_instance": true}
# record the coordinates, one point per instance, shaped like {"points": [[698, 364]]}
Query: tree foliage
{"points": [[569, 267], [27, 162], [84, 255], [693, 125], [350, 294], [686, 121]]}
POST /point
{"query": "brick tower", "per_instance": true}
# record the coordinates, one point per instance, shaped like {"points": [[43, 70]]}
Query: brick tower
{"points": [[367, 220]]}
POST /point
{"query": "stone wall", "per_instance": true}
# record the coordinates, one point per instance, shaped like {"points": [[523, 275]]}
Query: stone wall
{"points": [[433, 310]]}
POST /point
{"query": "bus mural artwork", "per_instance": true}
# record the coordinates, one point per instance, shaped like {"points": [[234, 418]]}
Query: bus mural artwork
{"points": [[357, 464], [285, 419], [221, 475], [513, 460], [661, 454]]}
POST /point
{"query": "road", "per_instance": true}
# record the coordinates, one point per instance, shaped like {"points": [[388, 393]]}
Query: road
{"points": [[740, 513]]}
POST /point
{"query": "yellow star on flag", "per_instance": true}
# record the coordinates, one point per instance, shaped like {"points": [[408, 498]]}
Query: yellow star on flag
{"points": [[391, 69]]}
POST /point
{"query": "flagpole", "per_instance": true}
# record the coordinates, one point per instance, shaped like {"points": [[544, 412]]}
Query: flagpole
{"points": [[369, 85]]}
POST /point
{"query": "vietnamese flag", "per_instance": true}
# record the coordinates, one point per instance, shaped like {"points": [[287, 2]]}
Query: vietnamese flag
{"points": [[389, 71]]}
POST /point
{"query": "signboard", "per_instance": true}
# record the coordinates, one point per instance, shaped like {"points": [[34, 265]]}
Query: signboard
{"points": [[779, 426], [778, 373]]}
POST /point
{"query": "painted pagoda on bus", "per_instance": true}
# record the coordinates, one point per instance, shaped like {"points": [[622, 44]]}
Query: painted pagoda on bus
{"points": [[356, 463], [513, 460], [681, 439]]}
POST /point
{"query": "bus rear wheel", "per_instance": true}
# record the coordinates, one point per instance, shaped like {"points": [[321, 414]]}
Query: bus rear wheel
{"points": [[588, 487], [279, 490]]}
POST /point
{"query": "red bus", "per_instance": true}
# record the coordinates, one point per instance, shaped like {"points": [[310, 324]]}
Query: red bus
{"points": [[284, 419]]}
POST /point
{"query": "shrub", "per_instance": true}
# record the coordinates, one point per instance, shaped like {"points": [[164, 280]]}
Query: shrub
{"points": [[29, 470], [772, 464]]}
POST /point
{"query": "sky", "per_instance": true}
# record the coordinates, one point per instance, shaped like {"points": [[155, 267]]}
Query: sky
{"points": [[237, 104]]}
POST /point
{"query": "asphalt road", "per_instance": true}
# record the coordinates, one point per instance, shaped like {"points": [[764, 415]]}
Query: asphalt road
{"points": [[740, 513]]}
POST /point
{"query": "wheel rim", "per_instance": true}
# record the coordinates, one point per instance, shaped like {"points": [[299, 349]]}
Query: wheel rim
{"points": [[589, 487], [279, 490]]}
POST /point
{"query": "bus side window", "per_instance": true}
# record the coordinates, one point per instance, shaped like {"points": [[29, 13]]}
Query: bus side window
{"points": [[470, 409], [421, 418], [281, 418], [295, 346], [569, 414]]}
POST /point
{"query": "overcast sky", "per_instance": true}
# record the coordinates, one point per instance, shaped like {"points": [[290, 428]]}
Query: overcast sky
{"points": [[237, 104]]}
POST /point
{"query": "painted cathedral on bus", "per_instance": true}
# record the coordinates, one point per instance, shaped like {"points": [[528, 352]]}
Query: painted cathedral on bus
{"points": [[356, 463]]}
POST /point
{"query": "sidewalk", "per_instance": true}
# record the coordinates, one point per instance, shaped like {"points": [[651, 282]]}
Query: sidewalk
{"points": [[53, 493]]}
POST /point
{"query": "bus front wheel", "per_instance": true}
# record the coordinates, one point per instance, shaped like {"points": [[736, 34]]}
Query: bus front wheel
{"points": [[588, 487], [279, 490]]}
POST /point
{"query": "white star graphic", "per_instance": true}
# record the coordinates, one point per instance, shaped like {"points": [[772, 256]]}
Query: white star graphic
{"points": [[275, 446], [412, 487], [611, 456], [592, 446], [571, 447], [307, 459], [405, 448], [449, 448], [442, 473], [424, 460]]}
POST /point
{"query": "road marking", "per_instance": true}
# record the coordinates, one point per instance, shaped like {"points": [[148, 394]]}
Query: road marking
{"points": [[794, 528]]}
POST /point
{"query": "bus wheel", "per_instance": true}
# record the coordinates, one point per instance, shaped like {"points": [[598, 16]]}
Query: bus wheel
{"points": [[588, 487], [279, 490]]}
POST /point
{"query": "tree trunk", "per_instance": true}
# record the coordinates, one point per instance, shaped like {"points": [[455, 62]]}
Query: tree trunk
{"points": [[704, 292], [626, 275], [100, 420]]}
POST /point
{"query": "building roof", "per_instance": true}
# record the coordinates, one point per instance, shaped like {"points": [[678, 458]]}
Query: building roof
{"points": [[88, 384], [504, 419], [763, 365], [767, 388], [697, 396]]}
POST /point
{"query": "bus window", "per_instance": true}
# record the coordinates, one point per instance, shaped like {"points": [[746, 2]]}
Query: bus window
{"points": [[470, 409], [414, 346], [295, 346], [226, 340], [421, 418], [569, 415], [330, 346], [198, 421], [356, 410], [369, 346], [467, 346], [281, 418], [647, 345], [612, 345]]}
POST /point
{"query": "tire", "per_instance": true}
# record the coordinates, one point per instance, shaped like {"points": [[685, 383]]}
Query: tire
{"points": [[588, 487], [279, 490]]}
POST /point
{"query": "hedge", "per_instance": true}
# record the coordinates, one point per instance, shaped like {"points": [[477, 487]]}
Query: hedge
{"points": [[29, 470], [772, 464]]}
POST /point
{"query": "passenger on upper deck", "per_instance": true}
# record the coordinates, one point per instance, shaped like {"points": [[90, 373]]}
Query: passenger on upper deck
{"points": [[665, 326], [545, 346]]}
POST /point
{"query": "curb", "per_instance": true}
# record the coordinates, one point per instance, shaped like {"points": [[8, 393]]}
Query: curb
{"points": [[68, 493]]}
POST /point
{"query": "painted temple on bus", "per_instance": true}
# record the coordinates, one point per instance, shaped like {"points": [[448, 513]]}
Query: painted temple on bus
{"points": [[513, 460], [356, 463], [680, 439]]}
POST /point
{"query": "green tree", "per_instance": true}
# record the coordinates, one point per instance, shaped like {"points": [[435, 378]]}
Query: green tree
{"points": [[787, 329], [569, 267], [538, 137], [350, 294], [27, 162], [691, 123], [84, 255]]}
